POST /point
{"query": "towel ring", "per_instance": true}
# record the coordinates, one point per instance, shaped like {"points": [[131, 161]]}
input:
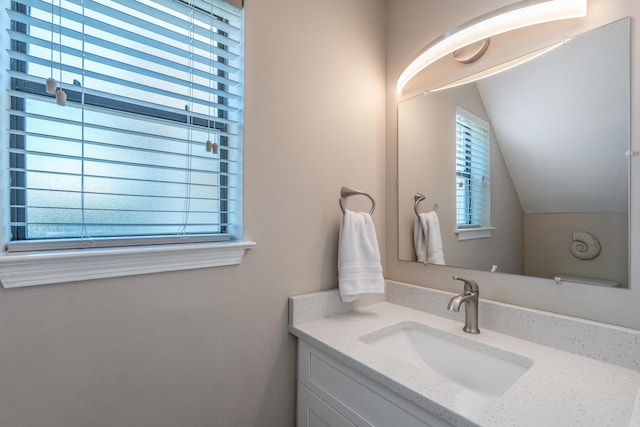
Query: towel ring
{"points": [[418, 197], [348, 192]]}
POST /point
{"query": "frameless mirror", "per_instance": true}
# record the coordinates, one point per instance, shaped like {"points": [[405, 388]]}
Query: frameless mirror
{"points": [[558, 130]]}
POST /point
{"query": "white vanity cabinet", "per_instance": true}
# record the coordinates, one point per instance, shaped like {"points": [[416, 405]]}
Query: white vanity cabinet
{"points": [[578, 373], [332, 394]]}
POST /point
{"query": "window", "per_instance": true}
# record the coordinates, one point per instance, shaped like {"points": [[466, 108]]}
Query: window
{"points": [[146, 149], [125, 161], [473, 187]]}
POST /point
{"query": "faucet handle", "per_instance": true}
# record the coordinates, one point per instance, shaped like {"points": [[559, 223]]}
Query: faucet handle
{"points": [[469, 285]]}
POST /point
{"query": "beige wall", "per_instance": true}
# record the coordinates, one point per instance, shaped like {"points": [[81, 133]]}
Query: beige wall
{"points": [[411, 24], [548, 237], [210, 347]]}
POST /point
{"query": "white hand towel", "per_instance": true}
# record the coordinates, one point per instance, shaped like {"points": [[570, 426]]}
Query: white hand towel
{"points": [[427, 240], [359, 268]]}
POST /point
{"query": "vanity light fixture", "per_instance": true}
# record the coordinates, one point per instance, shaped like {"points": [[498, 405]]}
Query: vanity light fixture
{"points": [[501, 67], [518, 15]]}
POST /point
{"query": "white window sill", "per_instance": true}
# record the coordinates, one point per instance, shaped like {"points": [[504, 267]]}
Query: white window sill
{"points": [[474, 233], [43, 268]]}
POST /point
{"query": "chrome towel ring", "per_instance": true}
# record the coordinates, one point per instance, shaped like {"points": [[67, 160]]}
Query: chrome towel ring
{"points": [[348, 192], [418, 197]]}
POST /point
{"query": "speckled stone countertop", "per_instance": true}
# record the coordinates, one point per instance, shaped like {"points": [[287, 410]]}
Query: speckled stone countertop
{"points": [[583, 373]]}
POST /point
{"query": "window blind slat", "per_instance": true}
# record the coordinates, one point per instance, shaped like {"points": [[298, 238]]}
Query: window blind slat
{"points": [[127, 85], [154, 186], [177, 8], [176, 21], [180, 128], [142, 71], [98, 161], [60, 244], [138, 43], [231, 14], [67, 153], [179, 124]]}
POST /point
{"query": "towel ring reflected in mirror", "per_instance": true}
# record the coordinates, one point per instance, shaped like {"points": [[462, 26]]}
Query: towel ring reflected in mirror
{"points": [[418, 197], [348, 192]]}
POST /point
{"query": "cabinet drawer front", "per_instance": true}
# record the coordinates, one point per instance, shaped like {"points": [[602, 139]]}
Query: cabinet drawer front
{"points": [[337, 384], [314, 412]]}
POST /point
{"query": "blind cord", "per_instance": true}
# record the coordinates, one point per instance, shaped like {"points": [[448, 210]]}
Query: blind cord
{"points": [[61, 96], [209, 143], [211, 146], [85, 233], [60, 43], [189, 149], [51, 85]]}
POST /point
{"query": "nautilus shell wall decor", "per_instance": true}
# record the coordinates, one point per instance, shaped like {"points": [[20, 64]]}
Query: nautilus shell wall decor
{"points": [[585, 245]]}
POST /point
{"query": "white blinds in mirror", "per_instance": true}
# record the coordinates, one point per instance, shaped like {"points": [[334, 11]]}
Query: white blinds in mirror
{"points": [[473, 188]]}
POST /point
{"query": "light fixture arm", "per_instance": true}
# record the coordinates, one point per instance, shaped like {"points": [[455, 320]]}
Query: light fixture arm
{"points": [[471, 53]]}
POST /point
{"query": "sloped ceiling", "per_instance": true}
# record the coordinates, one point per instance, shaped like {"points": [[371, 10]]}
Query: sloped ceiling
{"points": [[562, 123]]}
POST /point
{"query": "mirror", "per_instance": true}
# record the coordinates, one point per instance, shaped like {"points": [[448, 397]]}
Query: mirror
{"points": [[559, 170]]}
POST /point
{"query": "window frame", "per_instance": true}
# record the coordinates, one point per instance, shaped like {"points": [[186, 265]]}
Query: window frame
{"points": [[131, 258], [482, 227]]}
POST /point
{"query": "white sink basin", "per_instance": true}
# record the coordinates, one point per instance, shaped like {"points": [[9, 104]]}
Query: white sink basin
{"points": [[469, 363]]}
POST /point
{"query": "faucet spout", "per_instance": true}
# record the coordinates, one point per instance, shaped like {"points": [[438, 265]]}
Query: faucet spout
{"points": [[457, 301]]}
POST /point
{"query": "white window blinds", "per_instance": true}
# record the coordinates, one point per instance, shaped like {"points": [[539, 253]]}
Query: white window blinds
{"points": [[473, 188], [149, 85]]}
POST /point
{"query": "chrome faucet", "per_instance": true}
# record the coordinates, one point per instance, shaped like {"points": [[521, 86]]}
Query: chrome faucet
{"points": [[470, 298]]}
